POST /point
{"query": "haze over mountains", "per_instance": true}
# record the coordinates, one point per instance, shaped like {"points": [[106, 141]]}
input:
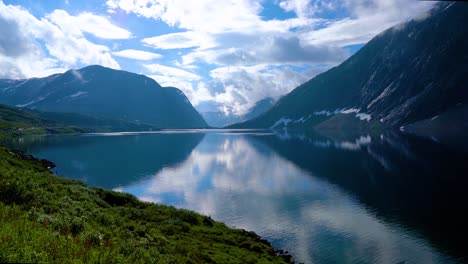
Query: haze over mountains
{"points": [[220, 119], [410, 72], [103, 92]]}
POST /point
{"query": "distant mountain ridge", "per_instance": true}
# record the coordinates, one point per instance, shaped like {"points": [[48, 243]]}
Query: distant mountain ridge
{"points": [[410, 72], [100, 91], [220, 119]]}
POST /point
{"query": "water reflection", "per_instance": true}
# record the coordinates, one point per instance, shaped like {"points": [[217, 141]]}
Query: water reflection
{"points": [[243, 183], [112, 161], [407, 180], [325, 198]]}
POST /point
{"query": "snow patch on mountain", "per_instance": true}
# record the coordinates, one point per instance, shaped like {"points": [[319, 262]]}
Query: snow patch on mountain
{"points": [[323, 112], [386, 92], [33, 101], [285, 121], [348, 111], [77, 94], [77, 74], [302, 119], [362, 116]]}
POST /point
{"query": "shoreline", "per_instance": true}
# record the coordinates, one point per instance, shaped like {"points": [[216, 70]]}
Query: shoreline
{"points": [[193, 227]]}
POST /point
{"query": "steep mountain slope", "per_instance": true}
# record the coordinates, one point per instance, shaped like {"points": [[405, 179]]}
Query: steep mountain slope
{"points": [[220, 119], [410, 72], [100, 91]]}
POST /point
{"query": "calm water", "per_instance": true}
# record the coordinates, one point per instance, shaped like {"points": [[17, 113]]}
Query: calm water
{"points": [[326, 199]]}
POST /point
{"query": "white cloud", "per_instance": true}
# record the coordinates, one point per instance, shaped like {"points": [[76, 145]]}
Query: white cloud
{"points": [[207, 21], [172, 81], [203, 15], [137, 54], [368, 18], [238, 88], [195, 95], [22, 55], [171, 71], [200, 94], [175, 77], [305, 8], [267, 48], [145, 8], [98, 26], [234, 89], [180, 40]]}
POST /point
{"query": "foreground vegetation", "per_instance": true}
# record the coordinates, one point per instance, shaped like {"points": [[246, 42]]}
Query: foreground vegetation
{"points": [[45, 218]]}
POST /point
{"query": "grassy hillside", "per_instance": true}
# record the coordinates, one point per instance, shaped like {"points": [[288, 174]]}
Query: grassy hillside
{"points": [[97, 124], [18, 121], [45, 218]]}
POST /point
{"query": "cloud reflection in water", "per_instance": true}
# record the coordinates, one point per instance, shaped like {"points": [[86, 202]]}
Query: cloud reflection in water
{"points": [[238, 180]]}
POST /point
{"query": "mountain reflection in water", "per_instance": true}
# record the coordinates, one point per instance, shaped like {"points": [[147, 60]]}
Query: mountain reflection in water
{"points": [[327, 199]]}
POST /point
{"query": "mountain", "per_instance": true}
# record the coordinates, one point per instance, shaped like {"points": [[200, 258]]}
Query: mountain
{"points": [[220, 119], [410, 72], [104, 92], [259, 108]]}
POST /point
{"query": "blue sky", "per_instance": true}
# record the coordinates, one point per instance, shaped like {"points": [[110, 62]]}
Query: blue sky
{"points": [[223, 54]]}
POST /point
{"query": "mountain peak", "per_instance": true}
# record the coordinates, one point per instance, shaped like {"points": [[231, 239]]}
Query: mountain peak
{"points": [[99, 91]]}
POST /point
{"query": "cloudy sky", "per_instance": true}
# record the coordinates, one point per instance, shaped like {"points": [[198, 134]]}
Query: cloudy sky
{"points": [[224, 54]]}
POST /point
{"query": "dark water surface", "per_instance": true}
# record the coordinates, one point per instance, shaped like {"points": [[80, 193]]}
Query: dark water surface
{"points": [[327, 199]]}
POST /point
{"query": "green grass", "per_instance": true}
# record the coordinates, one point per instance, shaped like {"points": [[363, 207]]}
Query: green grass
{"points": [[45, 218], [17, 122]]}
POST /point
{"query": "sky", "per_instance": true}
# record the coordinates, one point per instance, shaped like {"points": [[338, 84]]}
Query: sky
{"points": [[225, 55]]}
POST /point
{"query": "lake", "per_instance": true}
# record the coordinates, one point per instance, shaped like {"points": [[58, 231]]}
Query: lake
{"points": [[332, 198]]}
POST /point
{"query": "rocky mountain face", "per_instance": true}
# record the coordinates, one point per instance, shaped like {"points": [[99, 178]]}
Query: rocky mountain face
{"points": [[104, 92], [413, 71]]}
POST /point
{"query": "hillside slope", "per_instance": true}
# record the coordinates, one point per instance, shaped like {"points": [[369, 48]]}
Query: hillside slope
{"points": [[21, 121], [104, 92]]}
